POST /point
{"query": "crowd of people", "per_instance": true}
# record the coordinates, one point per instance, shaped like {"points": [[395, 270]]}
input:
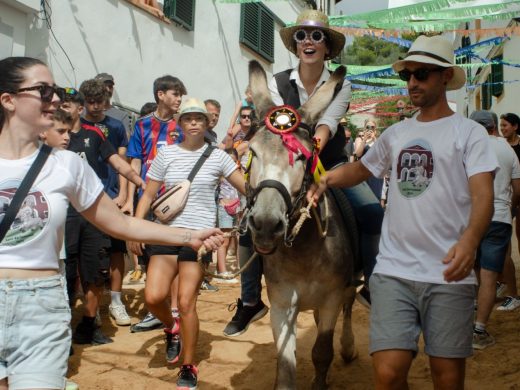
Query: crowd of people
{"points": [[451, 183]]}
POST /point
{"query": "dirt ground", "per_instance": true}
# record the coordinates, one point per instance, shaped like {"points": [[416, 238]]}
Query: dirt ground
{"points": [[137, 360]]}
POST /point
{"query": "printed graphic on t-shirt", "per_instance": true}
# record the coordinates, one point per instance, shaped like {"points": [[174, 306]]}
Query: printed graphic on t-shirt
{"points": [[414, 168], [31, 218], [103, 128]]}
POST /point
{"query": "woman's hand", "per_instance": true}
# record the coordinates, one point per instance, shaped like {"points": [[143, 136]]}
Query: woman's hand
{"points": [[212, 239], [136, 247]]}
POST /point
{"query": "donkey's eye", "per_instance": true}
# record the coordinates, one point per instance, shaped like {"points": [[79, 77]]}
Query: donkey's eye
{"points": [[300, 157]]}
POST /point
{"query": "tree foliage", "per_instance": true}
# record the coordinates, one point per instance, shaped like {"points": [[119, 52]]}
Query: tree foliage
{"points": [[367, 50]]}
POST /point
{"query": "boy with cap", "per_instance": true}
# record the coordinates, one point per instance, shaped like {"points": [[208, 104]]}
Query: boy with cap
{"points": [[493, 247], [424, 279], [110, 110], [115, 185]]}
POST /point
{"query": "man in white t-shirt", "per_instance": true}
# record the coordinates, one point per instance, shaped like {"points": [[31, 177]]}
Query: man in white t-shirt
{"points": [[493, 247], [424, 280]]}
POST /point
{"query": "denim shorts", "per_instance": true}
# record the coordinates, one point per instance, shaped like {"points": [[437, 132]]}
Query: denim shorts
{"points": [[34, 332], [492, 250], [225, 221], [402, 308]]}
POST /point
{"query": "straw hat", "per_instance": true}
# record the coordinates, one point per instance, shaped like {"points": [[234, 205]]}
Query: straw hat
{"points": [[318, 20], [437, 51], [193, 105]]}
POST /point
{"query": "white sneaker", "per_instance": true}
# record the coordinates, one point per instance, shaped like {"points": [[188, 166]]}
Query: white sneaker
{"points": [[511, 303], [119, 314], [229, 281]]}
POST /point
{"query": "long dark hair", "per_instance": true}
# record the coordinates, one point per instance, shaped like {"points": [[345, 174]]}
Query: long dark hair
{"points": [[11, 76], [513, 119]]}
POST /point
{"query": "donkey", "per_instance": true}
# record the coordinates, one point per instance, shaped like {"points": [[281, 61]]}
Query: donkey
{"points": [[311, 272]]}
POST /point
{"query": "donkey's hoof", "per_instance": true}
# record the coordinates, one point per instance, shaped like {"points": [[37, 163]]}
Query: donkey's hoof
{"points": [[319, 384], [350, 355]]}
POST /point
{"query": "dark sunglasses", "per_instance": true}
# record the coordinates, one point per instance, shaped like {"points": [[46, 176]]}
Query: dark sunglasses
{"points": [[46, 92], [316, 36], [245, 116], [370, 127], [421, 74]]}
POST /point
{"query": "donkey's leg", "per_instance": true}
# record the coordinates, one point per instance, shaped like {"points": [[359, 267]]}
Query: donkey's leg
{"points": [[323, 350], [348, 348], [283, 322]]}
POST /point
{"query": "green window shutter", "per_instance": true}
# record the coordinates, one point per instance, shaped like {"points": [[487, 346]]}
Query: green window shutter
{"points": [[486, 94], [497, 72], [181, 12], [257, 29]]}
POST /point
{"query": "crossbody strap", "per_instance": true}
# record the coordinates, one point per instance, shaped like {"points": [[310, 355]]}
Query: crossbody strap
{"points": [[200, 162], [23, 190]]}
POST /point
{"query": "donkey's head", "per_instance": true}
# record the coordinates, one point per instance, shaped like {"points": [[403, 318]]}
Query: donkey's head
{"points": [[277, 171]]}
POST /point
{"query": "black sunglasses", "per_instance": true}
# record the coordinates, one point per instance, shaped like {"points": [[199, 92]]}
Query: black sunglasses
{"points": [[46, 92], [421, 74], [245, 116]]}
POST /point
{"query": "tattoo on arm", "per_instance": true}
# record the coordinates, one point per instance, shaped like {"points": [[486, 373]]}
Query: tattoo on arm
{"points": [[186, 237]]}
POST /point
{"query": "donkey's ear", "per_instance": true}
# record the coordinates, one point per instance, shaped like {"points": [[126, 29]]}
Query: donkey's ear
{"points": [[314, 107], [258, 84]]}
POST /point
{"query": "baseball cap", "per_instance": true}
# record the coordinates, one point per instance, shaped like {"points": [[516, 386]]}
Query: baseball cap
{"points": [[104, 77]]}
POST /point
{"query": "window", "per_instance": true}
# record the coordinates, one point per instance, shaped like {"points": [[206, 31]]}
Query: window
{"points": [[486, 93], [497, 73], [257, 29], [181, 12]]}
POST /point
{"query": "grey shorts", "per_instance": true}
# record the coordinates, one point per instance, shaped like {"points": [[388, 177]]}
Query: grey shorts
{"points": [[402, 308], [35, 333]]}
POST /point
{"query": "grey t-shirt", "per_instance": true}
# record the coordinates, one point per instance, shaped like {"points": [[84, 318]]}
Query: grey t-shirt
{"points": [[121, 116]]}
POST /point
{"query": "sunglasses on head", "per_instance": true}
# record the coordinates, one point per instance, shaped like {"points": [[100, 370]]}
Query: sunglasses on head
{"points": [[245, 116], [421, 74], [316, 36], [46, 92]]}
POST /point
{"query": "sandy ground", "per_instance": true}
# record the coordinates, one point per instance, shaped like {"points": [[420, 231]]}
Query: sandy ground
{"points": [[137, 360]]}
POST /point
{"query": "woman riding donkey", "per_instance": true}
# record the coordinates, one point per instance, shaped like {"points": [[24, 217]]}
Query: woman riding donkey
{"points": [[313, 42]]}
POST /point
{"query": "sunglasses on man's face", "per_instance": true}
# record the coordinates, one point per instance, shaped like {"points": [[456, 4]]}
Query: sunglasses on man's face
{"points": [[245, 116], [316, 36], [420, 74], [46, 92]]}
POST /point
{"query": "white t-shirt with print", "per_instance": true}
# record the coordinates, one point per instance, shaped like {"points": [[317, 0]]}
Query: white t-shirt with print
{"points": [[36, 235], [509, 169], [429, 199], [174, 164]]}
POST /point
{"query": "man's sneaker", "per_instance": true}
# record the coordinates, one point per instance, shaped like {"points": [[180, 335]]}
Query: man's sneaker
{"points": [[149, 322], [119, 314], [511, 303], [69, 385], [363, 297], [187, 377], [85, 334], [482, 340], [501, 288], [173, 346], [226, 274], [205, 286], [243, 317]]}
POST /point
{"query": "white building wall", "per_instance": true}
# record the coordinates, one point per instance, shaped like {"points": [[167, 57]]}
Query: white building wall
{"points": [[470, 100], [115, 37], [14, 17]]}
